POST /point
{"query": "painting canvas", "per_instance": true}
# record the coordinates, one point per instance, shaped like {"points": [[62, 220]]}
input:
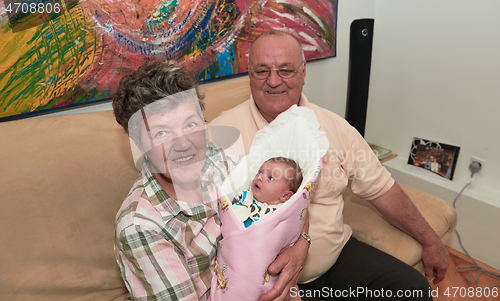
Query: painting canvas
{"points": [[75, 55]]}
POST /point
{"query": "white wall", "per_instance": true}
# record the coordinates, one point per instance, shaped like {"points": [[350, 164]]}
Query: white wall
{"points": [[437, 64], [436, 75], [104, 106]]}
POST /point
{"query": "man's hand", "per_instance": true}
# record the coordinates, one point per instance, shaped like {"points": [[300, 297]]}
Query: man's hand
{"points": [[288, 265], [436, 260], [398, 209], [296, 297]]}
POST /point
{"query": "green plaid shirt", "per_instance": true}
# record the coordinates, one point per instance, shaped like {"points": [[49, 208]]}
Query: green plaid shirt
{"points": [[166, 248]]}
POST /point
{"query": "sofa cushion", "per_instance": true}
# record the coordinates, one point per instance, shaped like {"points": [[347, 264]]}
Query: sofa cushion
{"points": [[62, 181], [369, 226]]}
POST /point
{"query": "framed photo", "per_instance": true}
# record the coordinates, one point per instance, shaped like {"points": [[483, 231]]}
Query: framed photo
{"points": [[436, 157]]}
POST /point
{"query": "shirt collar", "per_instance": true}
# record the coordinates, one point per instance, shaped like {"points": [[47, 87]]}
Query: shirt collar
{"points": [[155, 192]]}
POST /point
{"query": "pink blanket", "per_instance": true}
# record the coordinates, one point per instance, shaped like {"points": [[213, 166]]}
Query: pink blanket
{"points": [[245, 253]]}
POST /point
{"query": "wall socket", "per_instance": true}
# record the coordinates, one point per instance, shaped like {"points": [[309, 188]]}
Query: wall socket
{"points": [[482, 161]]}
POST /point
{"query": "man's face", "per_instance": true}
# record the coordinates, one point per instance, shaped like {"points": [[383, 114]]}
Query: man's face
{"points": [[275, 95]]}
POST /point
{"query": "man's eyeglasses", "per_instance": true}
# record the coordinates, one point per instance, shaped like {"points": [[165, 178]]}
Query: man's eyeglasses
{"points": [[282, 72]]}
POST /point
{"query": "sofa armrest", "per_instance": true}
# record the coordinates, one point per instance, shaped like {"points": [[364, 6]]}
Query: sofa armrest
{"points": [[370, 227]]}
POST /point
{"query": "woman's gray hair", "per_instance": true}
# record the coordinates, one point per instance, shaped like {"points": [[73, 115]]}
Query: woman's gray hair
{"points": [[153, 81]]}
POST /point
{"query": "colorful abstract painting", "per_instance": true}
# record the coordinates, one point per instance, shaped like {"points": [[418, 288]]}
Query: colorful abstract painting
{"points": [[52, 60]]}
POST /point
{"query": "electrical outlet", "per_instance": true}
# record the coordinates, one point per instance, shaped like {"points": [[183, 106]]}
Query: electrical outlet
{"points": [[482, 161]]}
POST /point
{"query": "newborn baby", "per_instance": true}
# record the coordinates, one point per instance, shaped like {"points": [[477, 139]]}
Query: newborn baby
{"points": [[276, 181]]}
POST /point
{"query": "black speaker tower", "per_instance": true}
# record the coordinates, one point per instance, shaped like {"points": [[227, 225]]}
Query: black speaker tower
{"points": [[360, 59]]}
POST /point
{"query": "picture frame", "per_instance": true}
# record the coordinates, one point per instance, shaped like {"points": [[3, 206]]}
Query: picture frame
{"points": [[436, 157], [69, 53]]}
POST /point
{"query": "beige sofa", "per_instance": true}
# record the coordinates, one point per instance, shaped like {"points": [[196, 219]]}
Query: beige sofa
{"points": [[62, 179]]}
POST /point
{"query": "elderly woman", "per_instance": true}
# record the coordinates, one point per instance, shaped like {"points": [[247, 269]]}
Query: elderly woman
{"points": [[167, 227]]}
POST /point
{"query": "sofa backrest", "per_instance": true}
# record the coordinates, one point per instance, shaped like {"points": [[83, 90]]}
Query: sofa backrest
{"points": [[223, 95], [62, 180]]}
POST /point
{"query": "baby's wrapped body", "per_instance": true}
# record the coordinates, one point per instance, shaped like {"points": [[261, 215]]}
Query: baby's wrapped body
{"points": [[249, 210], [245, 252]]}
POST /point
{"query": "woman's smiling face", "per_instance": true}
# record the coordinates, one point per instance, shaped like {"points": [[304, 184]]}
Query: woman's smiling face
{"points": [[174, 142]]}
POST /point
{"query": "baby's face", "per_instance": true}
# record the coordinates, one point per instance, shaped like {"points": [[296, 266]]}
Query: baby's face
{"points": [[270, 184]]}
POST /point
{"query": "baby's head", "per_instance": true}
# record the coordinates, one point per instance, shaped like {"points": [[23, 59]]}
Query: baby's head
{"points": [[277, 180]]}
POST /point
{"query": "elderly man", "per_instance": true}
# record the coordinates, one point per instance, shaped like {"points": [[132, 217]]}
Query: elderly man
{"points": [[336, 261]]}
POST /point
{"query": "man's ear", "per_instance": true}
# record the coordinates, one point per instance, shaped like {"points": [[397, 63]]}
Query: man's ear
{"points": [[286, 196], [304, 78]]}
